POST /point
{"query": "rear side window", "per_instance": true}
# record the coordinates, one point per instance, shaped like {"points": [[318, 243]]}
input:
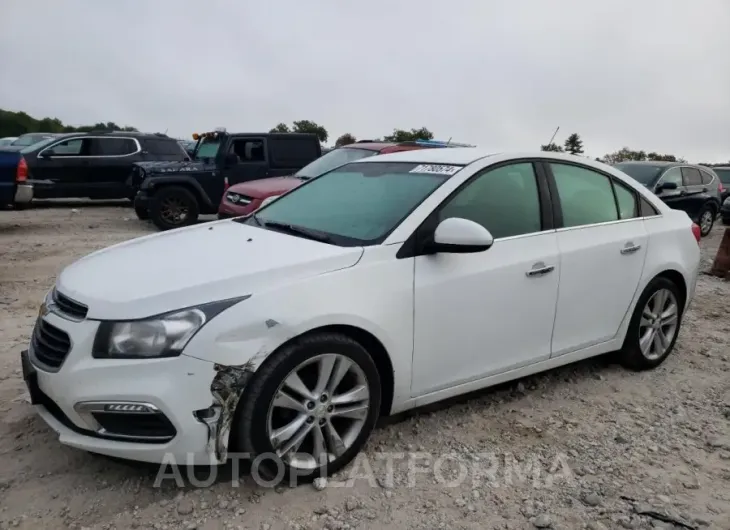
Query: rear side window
{"points": [[691, 176], [164, 147], [112, 146], [626, 200], [292, 152], [706, 177], [586, 197]]}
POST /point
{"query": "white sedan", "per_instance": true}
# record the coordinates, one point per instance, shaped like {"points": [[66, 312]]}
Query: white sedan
{"points": [[386, 284]]}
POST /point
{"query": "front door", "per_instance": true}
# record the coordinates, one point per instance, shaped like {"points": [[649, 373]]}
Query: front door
{"points": [[59, 169], [109, 167], [253, 162], [603, 245], [481, 314]]}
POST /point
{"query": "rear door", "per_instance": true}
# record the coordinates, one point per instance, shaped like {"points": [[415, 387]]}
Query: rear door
{"points": [[58, 169], [290, 153], [109, 165], [252, 162], [602, 243]]}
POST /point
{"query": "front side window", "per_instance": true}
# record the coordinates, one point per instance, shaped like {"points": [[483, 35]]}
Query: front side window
{"points": [[331, 160], [70, 147], [586, 197], [672, 175], [357, 204], [691, 176], [248, 150], [504, 200]]}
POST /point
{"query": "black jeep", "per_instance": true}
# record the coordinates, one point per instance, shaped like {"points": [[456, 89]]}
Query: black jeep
{"points": [[174, 194]]}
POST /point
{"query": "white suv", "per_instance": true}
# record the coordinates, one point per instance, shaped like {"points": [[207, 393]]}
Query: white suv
{"points": [[385, 284]]}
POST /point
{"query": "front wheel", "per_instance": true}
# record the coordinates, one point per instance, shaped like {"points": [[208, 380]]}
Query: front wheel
{"points": [[173, 207], [310, 407], [706, 219], [654, 326]]}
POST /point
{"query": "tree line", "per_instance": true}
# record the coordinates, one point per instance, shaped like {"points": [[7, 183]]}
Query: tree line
{"points": [[17, 123]]}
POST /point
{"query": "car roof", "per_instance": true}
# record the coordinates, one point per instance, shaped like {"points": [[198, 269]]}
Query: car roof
{"points": [[657, 163], [452, 155], [370, 146]]}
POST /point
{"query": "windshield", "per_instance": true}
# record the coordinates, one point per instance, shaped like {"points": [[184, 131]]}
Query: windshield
{"points": [[331, 160], [30, 139], [644, 173], [358, 204], [207, 148], [723, 173]]}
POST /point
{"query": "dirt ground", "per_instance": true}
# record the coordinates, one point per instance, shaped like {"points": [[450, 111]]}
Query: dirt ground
{"points": [[586, 446]]}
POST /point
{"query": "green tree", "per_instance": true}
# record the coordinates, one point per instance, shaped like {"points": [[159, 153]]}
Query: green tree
{"points": [[345, 139], [17, 123], [551, 147], [401, 135], [307, 126], [282, 128], [574, 145]]}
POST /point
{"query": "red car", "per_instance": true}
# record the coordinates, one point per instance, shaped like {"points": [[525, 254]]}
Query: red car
{"points": [[246, 197]]}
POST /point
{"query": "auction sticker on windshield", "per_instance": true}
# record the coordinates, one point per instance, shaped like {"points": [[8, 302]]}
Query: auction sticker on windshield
{"points": [[435, 169]]}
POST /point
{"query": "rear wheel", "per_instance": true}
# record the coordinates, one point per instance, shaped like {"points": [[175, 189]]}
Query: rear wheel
{"points": [[310, 408], [654, 326], [173, 207], [706, 219]]}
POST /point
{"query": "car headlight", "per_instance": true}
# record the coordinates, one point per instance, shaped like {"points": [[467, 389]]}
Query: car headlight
{"points": [[155, 337]]}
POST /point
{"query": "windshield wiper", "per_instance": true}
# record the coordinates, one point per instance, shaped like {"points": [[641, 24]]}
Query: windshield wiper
{"points": [[296, 230]]}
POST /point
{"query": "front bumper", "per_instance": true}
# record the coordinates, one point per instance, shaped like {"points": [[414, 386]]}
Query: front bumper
{"points": [[23, 194], [226, 210], [174, 387]]}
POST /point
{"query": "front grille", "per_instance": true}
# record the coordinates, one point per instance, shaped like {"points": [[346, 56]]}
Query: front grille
{"points": [[237, 198], [50, 344], [135, 425], [70, 307]]}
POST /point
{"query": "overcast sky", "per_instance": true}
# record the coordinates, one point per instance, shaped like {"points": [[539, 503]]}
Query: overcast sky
{"points": [[648, 74]]}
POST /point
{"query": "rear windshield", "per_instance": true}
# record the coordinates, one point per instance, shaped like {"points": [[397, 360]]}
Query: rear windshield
{"points": [[723, 173], [331, 160], [644, 173], [357, 204]]}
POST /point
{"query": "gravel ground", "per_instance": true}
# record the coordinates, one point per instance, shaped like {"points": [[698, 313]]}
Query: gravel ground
{"points": [[586, 446]]}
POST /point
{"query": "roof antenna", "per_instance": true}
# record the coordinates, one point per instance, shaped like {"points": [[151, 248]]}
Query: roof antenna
{"points": [[553, 136], [449, 141]]}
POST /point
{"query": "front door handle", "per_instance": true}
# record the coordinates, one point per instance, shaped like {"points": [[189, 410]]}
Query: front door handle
{"points": [[539, 269], [630, 248]]}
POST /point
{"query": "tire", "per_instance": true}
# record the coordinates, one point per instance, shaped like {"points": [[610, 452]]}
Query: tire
{"points": [[143, 214], [631, 354], [166, 200], [251, 425], [706, 219]]}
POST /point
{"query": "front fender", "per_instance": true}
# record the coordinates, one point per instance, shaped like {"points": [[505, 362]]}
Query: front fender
{"points": [[154, 182]]}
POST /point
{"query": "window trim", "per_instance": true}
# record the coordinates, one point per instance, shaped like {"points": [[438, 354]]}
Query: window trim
{"points": [[559, 207], [67, 139], [413, 246]]}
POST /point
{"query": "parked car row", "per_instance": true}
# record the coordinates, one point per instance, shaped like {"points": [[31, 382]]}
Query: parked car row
{"points": [[388, 283]]}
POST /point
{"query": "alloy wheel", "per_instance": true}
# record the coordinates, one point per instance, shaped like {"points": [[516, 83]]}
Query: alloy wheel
{"points": [[318, 411], [174, 210], [658, 324], [706, 222]]}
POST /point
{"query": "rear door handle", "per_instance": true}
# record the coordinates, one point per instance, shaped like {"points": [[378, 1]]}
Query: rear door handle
{"points": [[539, 269], [630, 248]]}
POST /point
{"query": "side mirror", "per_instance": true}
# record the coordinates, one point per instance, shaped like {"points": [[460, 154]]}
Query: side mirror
{"points": [[231, 160], [460, 236], [666, 186]]}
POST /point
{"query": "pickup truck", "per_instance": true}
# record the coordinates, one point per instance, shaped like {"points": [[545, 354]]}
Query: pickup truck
{"points": [[15, 190], [174, 194]]}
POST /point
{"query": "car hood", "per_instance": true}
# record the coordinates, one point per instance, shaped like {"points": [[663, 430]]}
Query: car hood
{"points": [[260, 189], [189, 266], [183, 166]]}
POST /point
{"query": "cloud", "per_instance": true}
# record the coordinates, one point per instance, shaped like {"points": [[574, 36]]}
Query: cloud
{"points": [[502, 74]]}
